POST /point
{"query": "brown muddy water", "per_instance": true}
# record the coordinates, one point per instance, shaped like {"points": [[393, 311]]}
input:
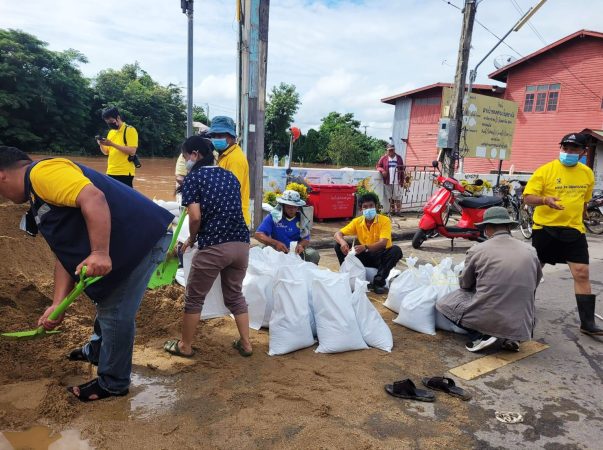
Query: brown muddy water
{"points": [[155, 178]]}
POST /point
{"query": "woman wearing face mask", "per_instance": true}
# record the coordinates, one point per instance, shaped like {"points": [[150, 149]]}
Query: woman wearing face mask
{"points": [[560, 190], [223, 136], [374, 247], [217, 227]]}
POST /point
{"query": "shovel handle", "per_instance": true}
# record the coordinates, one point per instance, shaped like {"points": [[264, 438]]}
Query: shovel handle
{"points": [[75, 293], [176, 232]]}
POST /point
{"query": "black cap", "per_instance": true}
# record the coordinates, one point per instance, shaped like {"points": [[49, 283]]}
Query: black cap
{"points": [[578, 139]]}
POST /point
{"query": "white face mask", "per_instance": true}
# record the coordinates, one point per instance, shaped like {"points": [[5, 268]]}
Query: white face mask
{"points": [[189, 165]]}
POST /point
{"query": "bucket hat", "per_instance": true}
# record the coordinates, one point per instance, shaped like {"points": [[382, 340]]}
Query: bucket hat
{"points": [[222, 124], [292, 198], [497, 215]]}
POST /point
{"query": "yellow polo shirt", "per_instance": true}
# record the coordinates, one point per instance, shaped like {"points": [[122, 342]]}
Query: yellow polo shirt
{"points": [[58, 181], [234, 159], [381, 228], [572, 185], [118, 163]]}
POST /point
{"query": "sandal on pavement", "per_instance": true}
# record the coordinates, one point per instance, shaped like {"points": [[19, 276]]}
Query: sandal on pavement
{"points": [[238, 346], [407, 389], [93, 388], [171, 346], [446, 385]]}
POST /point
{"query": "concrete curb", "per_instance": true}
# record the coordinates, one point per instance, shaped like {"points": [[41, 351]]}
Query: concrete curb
{"points": [[319, 244]]}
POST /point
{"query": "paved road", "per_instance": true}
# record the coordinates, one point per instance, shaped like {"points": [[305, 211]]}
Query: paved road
{"points": [[559, 390]]}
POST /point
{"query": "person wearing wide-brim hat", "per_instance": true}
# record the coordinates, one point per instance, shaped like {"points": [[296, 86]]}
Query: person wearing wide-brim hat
{"points": [[496, 298], [286, 224]]}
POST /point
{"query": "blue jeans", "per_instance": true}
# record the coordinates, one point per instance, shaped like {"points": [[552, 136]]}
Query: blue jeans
{"points": [[111, 345]]}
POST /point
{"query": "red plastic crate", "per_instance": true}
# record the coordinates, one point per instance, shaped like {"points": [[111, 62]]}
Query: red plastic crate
{"points": [[332, 201]]}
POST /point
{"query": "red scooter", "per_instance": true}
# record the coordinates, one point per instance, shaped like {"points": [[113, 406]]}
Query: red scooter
{"points": [[436, 210]]}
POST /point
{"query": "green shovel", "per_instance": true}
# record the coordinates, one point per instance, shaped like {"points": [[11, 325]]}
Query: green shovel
{"points": [[166, 271], [40, 332]]}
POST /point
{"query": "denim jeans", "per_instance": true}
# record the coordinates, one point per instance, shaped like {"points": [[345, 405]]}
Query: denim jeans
{"points": [[112, 344]]}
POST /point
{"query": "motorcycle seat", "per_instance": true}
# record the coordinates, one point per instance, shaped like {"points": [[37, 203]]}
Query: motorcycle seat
{"points": [[480, 202]]}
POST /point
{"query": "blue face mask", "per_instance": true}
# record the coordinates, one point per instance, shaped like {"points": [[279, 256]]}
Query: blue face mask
{"points": [[220, 144], [583, 159], [568, 159], [369, 213]]}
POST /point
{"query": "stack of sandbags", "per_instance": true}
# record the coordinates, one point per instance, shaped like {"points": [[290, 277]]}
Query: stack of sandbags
{"points": [[413, 295]]}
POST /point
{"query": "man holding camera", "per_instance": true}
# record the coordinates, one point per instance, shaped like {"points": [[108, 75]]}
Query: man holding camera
{"points": [[120, 146]]}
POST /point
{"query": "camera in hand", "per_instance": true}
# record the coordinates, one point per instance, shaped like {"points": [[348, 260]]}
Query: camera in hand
{"points": [[135, 160]]}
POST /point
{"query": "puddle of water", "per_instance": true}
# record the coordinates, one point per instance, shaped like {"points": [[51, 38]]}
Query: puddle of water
{"points": [[155, 398], [42, 438]]}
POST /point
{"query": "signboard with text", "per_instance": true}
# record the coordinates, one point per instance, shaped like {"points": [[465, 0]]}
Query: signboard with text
{"points": [[488, 125]]}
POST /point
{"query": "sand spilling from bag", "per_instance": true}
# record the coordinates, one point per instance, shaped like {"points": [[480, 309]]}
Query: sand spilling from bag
{"points": [[218, 399]]}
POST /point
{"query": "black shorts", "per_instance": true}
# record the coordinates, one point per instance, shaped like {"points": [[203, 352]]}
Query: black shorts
{"points": [[553, 251], [128, 180]]}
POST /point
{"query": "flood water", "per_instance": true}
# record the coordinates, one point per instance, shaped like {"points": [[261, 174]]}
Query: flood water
{"points": [[155, 178]]}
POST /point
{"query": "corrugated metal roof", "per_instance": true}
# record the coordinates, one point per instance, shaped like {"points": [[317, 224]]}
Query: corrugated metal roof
{"points": [[501, 74], [476, 87]]}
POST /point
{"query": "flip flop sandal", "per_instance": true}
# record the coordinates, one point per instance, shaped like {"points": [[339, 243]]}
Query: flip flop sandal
{"points": [[171, 346], [446, 385], [407, 389], [238, 346], [91, 388], [77, 355]]}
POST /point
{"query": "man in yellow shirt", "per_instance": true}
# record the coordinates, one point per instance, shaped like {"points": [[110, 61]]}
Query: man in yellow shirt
{"points": [[560, 190], [374, 241], [120, 146], [90, 220], [231, 157]]}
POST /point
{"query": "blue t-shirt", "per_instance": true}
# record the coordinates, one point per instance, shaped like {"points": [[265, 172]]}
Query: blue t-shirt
{"points": [[218, 193], [285, 231]]}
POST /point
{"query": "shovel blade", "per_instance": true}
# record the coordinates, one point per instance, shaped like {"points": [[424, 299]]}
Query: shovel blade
{"points": [[165, 274], [36, 333]]}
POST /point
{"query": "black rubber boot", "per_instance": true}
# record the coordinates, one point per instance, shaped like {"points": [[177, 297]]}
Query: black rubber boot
{"points": [[586, 309]]}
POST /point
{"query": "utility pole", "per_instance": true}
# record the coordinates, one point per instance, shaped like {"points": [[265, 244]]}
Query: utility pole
{"points": [[253, 95], [451, 155], [187, 8], [365, 127]]}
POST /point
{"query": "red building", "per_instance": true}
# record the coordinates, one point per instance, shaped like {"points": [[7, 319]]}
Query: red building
{"points": [[558, 89]]}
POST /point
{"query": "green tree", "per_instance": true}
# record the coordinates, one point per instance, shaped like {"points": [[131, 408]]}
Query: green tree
{"points": [[283, 103], [44, 98], [311, 147], [157, 112], [334, 122], [347, 147], [200, 115]]}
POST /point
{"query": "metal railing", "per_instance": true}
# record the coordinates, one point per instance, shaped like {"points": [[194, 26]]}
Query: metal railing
{"points": [[419, 187]]}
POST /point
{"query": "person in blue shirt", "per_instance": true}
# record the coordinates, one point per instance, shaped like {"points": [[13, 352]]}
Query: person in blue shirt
{"points": [[285, 224]]}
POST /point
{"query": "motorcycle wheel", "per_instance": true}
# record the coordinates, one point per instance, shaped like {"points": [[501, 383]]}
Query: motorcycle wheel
{"points": [[525, 221], [513, 213], [594, 224], [418, 239]]}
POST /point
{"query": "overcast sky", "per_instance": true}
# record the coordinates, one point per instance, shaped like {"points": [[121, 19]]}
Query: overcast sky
{"points": [[342, 55]]}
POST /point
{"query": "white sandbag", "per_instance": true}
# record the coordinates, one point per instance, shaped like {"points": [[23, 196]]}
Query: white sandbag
{"points": [[417, 310], [370, 274], [257, 289], [214, 300], [180, 277], [372, 271], [405, 283], [184, 231], [336, 322], [354, 268], [305, 272], [375, 331], [290, 321], [442, 323]]}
